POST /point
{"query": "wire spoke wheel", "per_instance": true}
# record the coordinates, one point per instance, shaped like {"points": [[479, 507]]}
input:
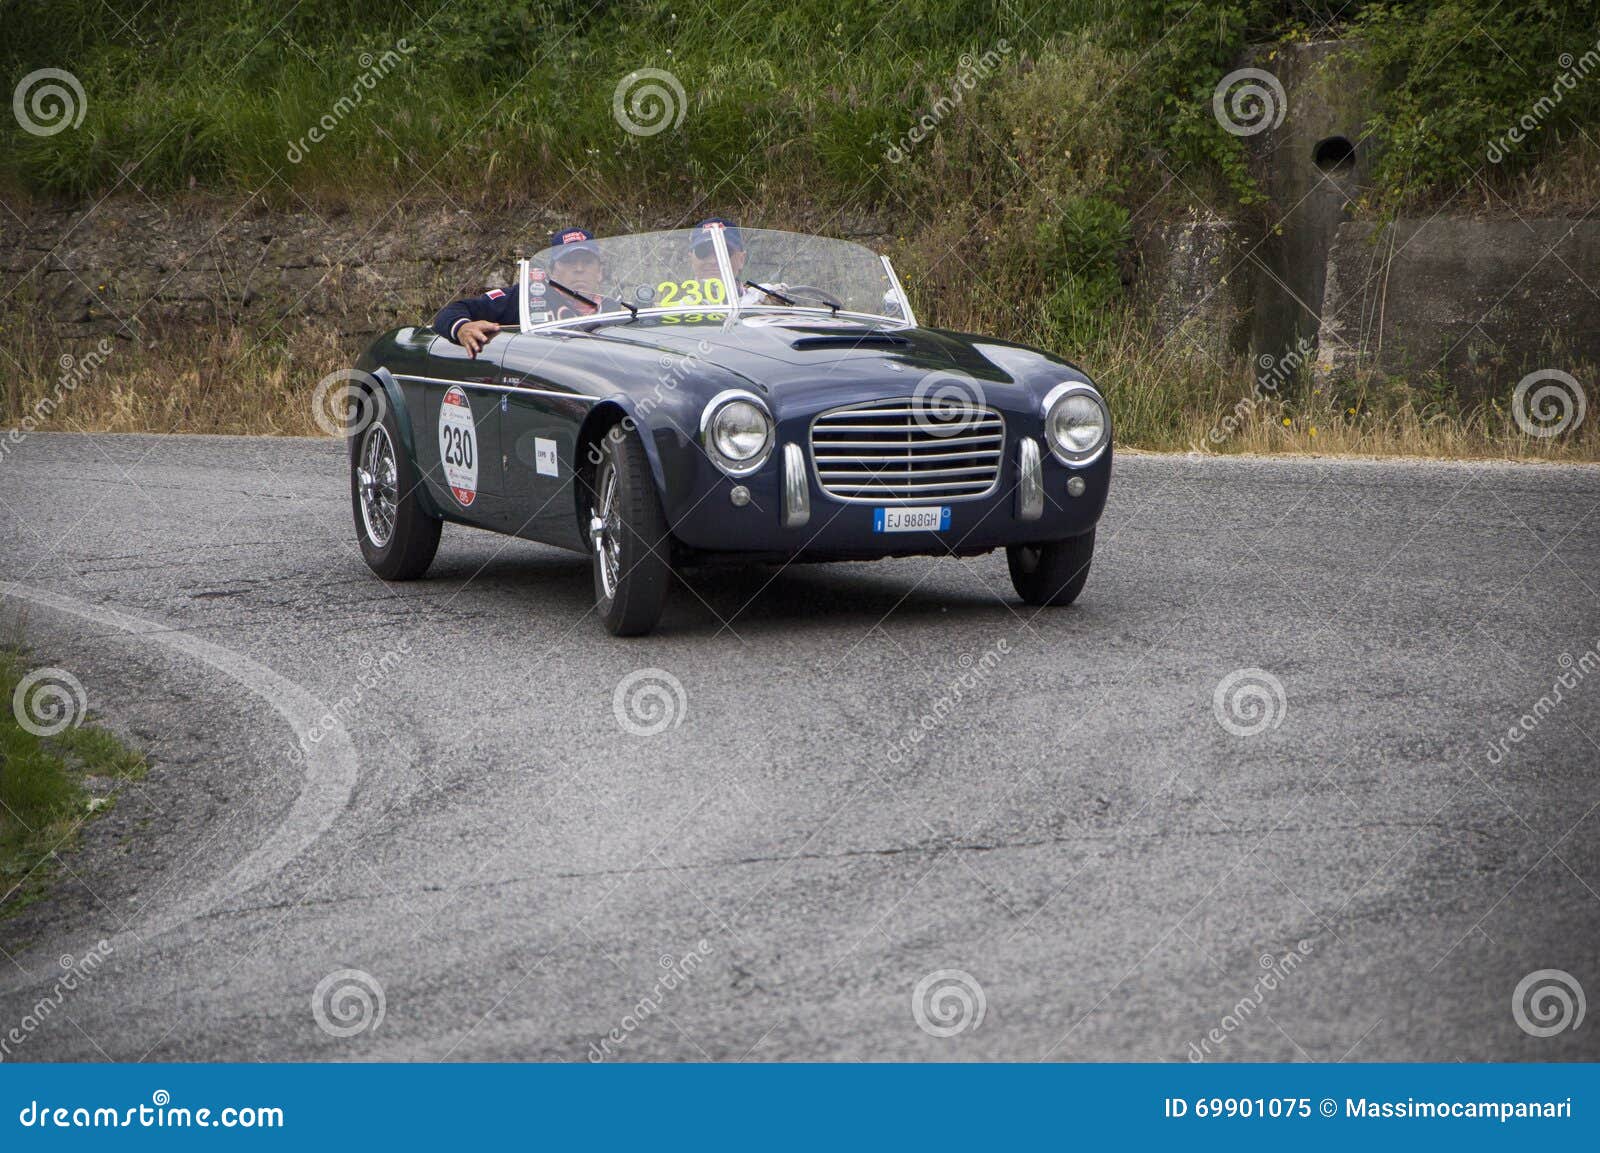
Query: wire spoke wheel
{"points": [[605, 531], [377, 478], [628, 537]]}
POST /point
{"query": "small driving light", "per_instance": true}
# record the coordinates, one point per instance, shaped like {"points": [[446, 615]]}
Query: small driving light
{"points": [[740, 496], [1075, 486]]}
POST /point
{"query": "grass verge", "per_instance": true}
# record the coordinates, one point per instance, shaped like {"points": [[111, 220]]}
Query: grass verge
{"points": [[1165, 396], [49, 787]]}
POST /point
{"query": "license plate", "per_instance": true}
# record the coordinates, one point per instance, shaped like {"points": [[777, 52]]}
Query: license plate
{"points": [[911, 519]]}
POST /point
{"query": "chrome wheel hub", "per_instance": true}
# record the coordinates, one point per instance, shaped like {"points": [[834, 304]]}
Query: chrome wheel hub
{"points": [[605, 531], [377, 485]]}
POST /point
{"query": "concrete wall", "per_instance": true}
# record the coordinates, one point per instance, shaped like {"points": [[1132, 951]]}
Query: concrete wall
{"points": [[1478, 302], [1324, 89]]}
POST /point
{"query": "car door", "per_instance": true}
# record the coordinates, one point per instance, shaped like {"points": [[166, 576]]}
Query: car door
{"points": [[458, 429], [541, 418]]}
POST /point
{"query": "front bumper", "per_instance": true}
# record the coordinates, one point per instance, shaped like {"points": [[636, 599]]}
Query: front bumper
{"points": [[703, 517]]}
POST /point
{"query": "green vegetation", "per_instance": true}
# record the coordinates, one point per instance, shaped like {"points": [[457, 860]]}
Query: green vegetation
{"points": [[1060, 129], [515, 98], [49, 786]]}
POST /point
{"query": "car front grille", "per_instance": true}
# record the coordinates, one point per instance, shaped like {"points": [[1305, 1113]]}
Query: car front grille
{"points": [[907, 450]]}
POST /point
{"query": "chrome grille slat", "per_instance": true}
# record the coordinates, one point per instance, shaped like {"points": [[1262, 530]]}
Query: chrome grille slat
{"points": [[894, 450], [976, 454], [982, 424], [908, 473], [889, 444]]}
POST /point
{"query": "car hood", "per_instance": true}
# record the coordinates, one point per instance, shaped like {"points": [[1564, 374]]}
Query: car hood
{"points": [[786, 356]]}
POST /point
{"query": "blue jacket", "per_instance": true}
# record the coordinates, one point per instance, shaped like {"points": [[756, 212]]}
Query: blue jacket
{"points": [[500, 306]]}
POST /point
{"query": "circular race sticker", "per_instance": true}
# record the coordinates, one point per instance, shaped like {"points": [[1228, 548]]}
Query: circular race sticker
{"points": [[458, 446]]}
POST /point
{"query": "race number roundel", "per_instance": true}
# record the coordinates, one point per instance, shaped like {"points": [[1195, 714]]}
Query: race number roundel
{"points": [[458, 446]]}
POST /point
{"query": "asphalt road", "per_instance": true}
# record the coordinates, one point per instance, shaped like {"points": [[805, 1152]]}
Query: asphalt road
{"points": [[1109, 870]]}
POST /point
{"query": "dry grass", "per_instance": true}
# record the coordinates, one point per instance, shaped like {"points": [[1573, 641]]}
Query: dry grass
{"points": [[1165, 397]]}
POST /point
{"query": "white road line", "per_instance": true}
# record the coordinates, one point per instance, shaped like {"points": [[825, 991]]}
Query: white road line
{"points": [[328, 768]]}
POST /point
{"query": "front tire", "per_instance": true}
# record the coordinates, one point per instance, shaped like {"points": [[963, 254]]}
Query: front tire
{"points": [[1052, 573], [398, 537], [628, 539]]}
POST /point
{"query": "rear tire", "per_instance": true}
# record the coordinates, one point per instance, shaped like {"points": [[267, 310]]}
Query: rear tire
{"points": [[628, 540], [1051, 573], [398, 537]]}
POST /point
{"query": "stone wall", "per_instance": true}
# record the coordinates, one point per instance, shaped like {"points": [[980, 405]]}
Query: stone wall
{"points": [[133, 268]]}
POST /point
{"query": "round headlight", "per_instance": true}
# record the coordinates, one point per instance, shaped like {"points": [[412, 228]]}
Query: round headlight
{"points": [[1077, 425], [739, 436]]}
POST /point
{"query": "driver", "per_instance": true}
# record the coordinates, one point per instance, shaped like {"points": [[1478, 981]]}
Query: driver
{"points": [[703, 257], [473, 322]]}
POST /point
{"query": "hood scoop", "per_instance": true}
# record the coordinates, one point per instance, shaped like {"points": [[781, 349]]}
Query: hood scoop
{"points": [[862, 338]]}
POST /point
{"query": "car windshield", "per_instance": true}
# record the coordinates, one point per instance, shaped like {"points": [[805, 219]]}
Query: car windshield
{"points": [[814, 272], [681, 271]]}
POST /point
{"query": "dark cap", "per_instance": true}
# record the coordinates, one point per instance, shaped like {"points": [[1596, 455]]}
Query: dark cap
{"points": [[730, 233]]}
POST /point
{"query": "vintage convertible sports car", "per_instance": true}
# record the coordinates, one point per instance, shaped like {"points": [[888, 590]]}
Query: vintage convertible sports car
{"points": [[728, 394]]}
